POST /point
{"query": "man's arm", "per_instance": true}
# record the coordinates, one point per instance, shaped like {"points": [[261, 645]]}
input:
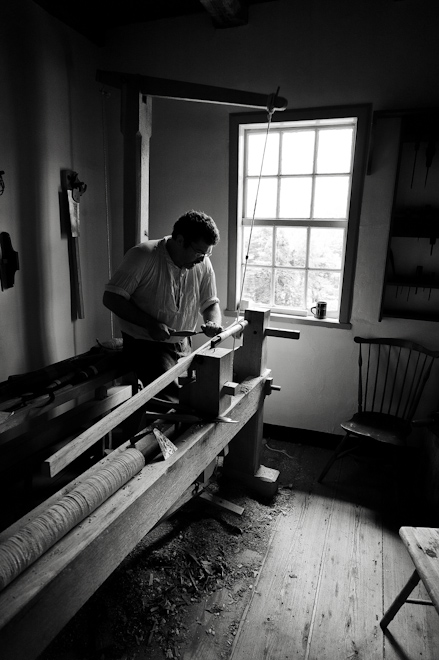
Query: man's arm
{"points": [[128, 311], [212, 320]]}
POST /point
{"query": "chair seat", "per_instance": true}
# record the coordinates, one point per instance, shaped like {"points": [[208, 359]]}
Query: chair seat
{"points": [[378, 426]]}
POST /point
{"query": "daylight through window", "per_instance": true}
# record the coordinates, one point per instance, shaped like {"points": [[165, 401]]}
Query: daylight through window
{"points": [[295, 184]]}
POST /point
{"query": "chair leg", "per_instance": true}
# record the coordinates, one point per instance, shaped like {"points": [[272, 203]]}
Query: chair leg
{"points": [[333, 458], [400, 600]]}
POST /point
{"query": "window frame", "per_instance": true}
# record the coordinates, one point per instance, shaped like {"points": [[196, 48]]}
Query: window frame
{"points": [[363, 113]]}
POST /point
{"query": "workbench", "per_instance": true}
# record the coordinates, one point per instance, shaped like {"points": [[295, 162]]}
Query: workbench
{"points": [[216, 381]]}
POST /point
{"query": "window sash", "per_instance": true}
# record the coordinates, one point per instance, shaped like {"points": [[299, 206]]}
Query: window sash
{"points": [[342, 116]]}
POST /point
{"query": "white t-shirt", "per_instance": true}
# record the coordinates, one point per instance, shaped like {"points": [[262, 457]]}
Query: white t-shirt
{"points": [[172, 295]]}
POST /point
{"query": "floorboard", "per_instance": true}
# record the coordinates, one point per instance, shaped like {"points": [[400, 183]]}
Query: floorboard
{"points": [[335, 562]]}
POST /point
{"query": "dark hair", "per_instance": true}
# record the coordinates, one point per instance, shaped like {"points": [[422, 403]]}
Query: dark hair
{"points": [[195, 226]]}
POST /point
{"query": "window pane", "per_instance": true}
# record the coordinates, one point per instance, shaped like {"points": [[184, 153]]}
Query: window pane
{"points": [[267, 196], [255, 153], [289, 288], [323, 285], [326, 248], [257, 285], [295, 197], [298, 152], [334, 152], [260, 250], [331, 197], [291, 246]]}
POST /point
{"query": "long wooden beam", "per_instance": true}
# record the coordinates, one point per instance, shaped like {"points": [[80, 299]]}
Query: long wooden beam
{"points": [[184, 91], [39, 603], [60, 459]]}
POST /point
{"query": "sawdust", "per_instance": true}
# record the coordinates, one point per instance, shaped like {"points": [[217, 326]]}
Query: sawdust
{"points": [[186, 583]]}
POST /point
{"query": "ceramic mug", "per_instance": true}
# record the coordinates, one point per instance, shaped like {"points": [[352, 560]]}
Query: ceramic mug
{"points": [[319, 310]]}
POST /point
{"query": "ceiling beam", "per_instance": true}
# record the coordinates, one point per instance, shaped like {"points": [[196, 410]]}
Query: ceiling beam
{"points": [[227, 13]]}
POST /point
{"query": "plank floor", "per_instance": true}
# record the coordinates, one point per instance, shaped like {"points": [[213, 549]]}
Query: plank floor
{"points": [[334, 564], [329, 570]]}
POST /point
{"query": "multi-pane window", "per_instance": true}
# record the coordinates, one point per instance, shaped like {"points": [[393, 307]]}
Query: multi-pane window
{"points": [[298, 190]]}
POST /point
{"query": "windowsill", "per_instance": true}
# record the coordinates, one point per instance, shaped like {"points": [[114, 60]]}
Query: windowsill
{"points": [[301, 320]]}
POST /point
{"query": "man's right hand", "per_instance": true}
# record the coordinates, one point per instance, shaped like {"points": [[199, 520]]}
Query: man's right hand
{"points": [[159, 331]]}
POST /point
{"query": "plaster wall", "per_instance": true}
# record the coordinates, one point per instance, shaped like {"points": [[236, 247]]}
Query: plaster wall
{"points": [[319, 54], [50, 118]]}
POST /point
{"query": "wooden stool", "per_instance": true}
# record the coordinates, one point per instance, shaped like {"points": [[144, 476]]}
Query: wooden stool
{"points": [[422, 544]]}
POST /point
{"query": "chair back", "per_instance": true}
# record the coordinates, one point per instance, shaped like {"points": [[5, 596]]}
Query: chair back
{"points": [[392, 376]]}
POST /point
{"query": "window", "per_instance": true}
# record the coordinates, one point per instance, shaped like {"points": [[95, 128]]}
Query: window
{"points": [[295, 207]]}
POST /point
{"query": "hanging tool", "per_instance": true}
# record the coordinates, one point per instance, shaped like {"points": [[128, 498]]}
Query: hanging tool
{"points": [[418, 277], [8, 261], [417, 145], [392, 263], [429, 155], [74, 189]]}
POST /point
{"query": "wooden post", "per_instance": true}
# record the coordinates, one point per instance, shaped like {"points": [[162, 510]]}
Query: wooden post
{"points": [[136, 123], [243, 462], [206, 392]]}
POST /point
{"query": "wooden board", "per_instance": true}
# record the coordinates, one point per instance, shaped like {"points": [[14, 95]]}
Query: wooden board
{"points": [[65, 455], [280, 617]]}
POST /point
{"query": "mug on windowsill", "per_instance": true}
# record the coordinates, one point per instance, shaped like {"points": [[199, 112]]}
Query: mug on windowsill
{"points": [[319, 310]]}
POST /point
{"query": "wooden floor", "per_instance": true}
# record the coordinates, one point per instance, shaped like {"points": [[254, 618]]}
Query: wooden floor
{"points": [[333, 566]]}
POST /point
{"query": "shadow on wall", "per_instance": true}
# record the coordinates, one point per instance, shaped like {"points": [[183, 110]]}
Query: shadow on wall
{"points": [[25, 91]]}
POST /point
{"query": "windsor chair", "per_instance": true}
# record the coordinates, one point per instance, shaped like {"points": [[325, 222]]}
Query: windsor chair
{"points": [[392, 374]]}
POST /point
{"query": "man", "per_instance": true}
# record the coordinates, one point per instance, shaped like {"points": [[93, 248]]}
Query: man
{"points": [[161, 287]]}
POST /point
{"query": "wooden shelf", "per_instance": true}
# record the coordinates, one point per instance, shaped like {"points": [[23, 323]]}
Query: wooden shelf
{"points": [[414, 284]]}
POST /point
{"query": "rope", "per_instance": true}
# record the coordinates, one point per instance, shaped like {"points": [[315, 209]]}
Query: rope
{"points": [[270, 111]]}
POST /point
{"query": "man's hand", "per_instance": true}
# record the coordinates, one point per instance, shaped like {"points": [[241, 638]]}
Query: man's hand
{"points": [[159, 331], [211, 329]]}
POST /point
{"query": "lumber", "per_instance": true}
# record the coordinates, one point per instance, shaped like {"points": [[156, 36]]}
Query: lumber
{"points": [[92, 409], [89, 437]]}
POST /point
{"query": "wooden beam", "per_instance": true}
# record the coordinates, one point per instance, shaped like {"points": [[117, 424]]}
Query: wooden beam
{"points": [[37, 605], [136, 125], [184, 91], [94, 433], [89, 411], [226, 13]]}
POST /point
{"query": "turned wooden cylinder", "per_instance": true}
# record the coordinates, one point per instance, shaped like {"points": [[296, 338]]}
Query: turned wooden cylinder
{"points": [[20, 550]]}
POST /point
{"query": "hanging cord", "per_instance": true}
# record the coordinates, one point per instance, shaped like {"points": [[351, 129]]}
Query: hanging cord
{"points": [[104, 96], [270, 111]]}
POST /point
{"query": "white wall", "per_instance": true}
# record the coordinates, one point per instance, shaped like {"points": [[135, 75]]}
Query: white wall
{"points": [[50, 118], [319, 53]]}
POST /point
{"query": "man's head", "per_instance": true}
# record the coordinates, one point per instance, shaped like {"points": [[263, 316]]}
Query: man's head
{"points": [[194, 234]]}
